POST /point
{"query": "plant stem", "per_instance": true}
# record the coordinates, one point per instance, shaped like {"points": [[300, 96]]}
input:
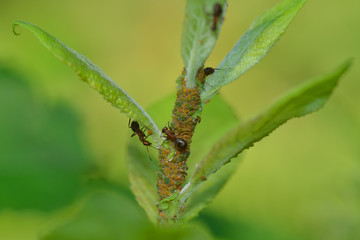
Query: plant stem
{"points": [[172, 166]]}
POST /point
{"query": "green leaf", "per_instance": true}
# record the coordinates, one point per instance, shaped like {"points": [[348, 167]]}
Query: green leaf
{"points": [[142, 170], [239, 227], [95, 77], [142, 176], [217, 119], [198, 38], [305, 99], [253, 45], [43, 162], [109, 216], [104, 215], [208, 190]]}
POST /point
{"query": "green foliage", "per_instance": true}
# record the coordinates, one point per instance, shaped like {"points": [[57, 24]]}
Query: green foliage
{"points": [[206, 191], [220, 128], [303, 100], [112, 216], [223, 227], [198, 38], [143, 179], [40, 148], [94, 76], [217, 116], [264, 32]]}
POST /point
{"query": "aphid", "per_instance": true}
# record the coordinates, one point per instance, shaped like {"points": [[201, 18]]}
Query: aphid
{"points": [[198, 119], [135, 127], [180, 144], [217, 11], [183, 172], [203, 178]]}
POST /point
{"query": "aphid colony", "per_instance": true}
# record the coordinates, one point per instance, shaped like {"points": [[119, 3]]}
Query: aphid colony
{"points": [[180, 144], [169, 134]]}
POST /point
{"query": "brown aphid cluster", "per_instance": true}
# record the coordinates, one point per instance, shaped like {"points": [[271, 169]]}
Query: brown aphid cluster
{"points": [[172, 173], [187, 104]]}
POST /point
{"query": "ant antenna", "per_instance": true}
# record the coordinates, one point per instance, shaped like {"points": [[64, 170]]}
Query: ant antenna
{"points": [[147, 148]]}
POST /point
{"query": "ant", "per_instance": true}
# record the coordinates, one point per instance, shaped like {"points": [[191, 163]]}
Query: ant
{"points": [[208, 71], [137, 131], [135, 127], [180, 144], [217, 11], [205, 72]]}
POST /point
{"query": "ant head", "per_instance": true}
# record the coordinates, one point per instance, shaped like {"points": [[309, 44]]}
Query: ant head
{"points": [[134, 125], [217, 10], [208, 71], [164, 129], [180, 144]]}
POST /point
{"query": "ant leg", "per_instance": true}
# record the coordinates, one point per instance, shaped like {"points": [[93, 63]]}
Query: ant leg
{"points": [[208, 84], [170, 128], [143, 130]]}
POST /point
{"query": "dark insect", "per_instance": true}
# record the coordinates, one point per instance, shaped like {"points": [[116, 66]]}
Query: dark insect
{"points": [[180, 144], [208, 71], [216, 15], [203, 73], [135, 127]]}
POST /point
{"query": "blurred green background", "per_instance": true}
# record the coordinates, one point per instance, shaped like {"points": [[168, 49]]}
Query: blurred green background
{"points": [[302, 182]]}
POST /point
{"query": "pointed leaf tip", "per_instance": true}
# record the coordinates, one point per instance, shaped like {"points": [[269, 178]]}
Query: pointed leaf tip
{"points": [[262, 35], [306, 98], [94, 77]]}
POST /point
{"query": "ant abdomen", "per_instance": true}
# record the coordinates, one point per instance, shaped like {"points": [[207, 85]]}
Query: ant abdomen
{"points": [[180, 144]]}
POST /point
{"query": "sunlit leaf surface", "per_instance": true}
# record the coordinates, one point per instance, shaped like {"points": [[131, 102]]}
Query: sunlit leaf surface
{"points": [[94, 76], [303, 100], [200, 33], [253, 45], [43, 163]]}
